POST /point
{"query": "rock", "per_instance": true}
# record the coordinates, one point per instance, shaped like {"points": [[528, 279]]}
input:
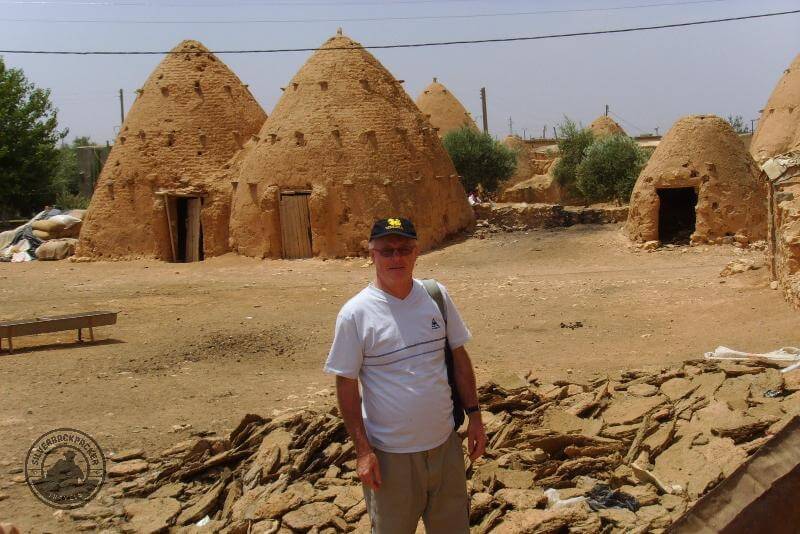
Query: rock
{"points": [[627, 409], [274, 506], [152, 515], [698, 468], [123, 469], [173, 489], [179, 448], [127, 454], [677, 388], [203, 506], [653, 517], [576, 518], [673, 502], [773, 284], [621, 518], [739, 266], [348, 496], [651, 245], [707, 384], [791, 381], [94, 511], [85, 526], [480, 504], [318, 514], [735, 392], [644, 493], [267, 526], [513, 478], [559, 420], [642, 390], [355, 513]]}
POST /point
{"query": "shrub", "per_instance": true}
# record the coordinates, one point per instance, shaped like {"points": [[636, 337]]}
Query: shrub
{"points": [[609, 169], [479, 159], [572, 144]]}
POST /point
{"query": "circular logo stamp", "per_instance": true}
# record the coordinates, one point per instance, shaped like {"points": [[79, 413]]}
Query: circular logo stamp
{"points": [[65, 468]]}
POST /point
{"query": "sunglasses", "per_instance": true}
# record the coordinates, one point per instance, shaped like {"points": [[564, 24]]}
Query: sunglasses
{"points": [[389, 252]]}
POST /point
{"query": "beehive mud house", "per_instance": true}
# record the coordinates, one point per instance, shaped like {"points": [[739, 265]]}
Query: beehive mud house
{"points": [[345, 145], [158, 196], [700, 185], [443, 109], [776, 147], [604, 126]]}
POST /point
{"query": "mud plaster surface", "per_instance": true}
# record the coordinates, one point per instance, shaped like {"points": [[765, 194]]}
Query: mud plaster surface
{"points": [[192, 114], [778, 129], [702, 151], [443, 109], [346, 130], [604, 126]]}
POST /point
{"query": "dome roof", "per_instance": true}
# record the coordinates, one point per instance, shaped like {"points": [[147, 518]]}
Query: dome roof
{"points": [[192, 114], [605, 125], [347, 133], [778, 129], [443, 109]]}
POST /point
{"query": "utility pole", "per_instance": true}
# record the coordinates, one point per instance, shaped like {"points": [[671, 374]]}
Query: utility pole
{"points": [[510, 126], [544, 132], [523, 133], [752, 122], [656, 131], [483, 105], [121, 108], [606, 110], [555, 134]]}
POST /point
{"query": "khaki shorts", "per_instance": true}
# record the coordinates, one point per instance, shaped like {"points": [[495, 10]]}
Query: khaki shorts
{"points": [[431, 485]]}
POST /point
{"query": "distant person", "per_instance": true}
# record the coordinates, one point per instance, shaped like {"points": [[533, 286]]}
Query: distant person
{"points": [[391, 337]]}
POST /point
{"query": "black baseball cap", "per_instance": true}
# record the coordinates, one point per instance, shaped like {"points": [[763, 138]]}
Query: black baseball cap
{"points": [[393, 226]]}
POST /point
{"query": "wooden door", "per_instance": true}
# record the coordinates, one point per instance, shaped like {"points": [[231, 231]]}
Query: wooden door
{"points": [[193, 229], [295, 224]]}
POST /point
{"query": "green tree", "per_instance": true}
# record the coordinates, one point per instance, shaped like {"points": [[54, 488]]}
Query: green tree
{"points": [[573, 141], [479, 159], [609, 169], [29, 135], [737, 123]]}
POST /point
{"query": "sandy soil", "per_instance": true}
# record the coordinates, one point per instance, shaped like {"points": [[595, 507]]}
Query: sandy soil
{"points": [[202, 344]]}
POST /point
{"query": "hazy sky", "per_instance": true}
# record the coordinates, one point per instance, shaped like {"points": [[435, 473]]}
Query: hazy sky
{"points": [[648, 78]]}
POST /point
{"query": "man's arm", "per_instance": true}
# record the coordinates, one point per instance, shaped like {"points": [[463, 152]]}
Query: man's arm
{"points": [[350, 407], [467, 392]]}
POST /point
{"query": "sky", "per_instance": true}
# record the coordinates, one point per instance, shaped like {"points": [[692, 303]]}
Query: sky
{"points": [[649, 79]]}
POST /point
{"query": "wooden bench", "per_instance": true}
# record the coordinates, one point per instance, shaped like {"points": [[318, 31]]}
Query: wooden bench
{"points": [[56, 323]]}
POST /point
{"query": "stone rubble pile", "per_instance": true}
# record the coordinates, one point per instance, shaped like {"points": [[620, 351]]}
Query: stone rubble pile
{"points": [[660, 439]]}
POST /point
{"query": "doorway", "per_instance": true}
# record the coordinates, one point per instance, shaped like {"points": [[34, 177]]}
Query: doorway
{"points": [[187, 241], [676, 214], [295, 224]]}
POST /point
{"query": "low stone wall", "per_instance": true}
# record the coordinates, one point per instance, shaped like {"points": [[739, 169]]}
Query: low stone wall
{"points": [[785, 241], [521, 216]]}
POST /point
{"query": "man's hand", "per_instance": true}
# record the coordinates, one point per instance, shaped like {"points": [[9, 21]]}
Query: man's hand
{"points": [[476, 436], [369, 471]]}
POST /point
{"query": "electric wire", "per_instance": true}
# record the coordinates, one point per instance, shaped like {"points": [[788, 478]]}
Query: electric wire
{"points": [[361, 19], [413, 45]]}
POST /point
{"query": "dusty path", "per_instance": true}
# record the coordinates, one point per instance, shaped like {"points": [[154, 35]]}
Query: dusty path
{"points": [[202, 344]]}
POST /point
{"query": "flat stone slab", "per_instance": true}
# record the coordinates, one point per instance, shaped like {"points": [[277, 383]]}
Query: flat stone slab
{"points": [[627, 409]]}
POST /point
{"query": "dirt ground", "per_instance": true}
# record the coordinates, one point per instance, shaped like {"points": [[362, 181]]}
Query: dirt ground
{"points": [[202, 344]]}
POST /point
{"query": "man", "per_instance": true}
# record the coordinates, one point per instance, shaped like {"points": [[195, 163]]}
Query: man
{"points": [[391, 336]]}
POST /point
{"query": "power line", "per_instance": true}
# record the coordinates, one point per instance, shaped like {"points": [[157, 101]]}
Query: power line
{"points": [[254, 3], [412, 45], [362, 19], [630, 124]]}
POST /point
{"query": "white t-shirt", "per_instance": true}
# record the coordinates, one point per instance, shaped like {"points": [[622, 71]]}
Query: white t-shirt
{"points": [[396, 348]]}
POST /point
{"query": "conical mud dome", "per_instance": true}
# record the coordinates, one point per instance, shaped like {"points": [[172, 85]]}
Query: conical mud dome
{"points": [[700, 184], [345, 145], [191, 116], [443, 109], [778, 129], [605, 125]]}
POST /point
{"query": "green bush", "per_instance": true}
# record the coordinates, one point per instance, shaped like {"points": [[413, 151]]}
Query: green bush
{"points": [[572, 144], [479, 159], [71, 201], [609, 169]]}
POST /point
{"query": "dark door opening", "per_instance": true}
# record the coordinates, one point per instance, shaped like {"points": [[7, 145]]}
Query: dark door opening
{"points": [[189, 231], [676, 214]]}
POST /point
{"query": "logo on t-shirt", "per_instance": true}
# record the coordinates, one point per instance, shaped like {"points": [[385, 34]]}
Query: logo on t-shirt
{"points": [[434, 324]]}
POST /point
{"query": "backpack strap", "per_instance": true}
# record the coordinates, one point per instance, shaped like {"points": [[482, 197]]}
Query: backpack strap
{"points": [[436, 294]]}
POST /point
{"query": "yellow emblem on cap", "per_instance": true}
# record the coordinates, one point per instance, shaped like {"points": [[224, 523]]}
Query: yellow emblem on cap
{"points": [[394, 223]]}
